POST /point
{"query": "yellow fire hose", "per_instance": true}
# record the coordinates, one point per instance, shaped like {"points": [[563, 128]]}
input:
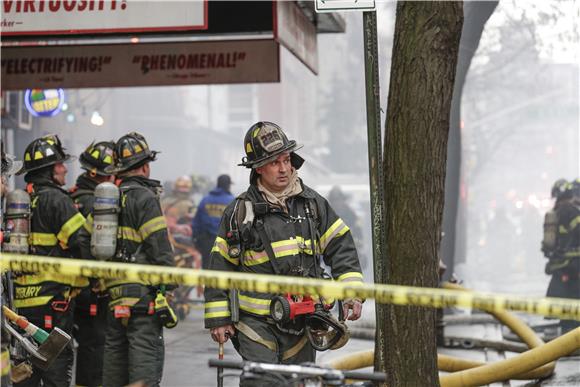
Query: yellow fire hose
{"points": [[537, 363]]}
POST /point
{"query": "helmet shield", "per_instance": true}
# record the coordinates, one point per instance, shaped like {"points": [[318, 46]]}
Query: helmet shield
{"points": [[43, 152], [263, 142]]}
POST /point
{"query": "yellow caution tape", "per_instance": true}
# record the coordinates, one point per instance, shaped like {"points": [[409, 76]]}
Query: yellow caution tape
{"points": [[384, 294]]}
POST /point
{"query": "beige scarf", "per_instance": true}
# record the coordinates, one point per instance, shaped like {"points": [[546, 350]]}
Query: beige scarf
{"points": [[278, 199]]}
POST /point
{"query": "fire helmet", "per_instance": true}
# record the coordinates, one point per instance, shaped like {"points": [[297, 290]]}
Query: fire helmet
{"points": [[183, 184], [559, 188], [43, 152], [264, 141], [131, 151], [97, 157]]}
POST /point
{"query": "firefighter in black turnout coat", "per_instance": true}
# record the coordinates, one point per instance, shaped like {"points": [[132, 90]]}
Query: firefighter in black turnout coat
{"points": [[90, 315], [47, 299], [274, 235], [134, 346]]}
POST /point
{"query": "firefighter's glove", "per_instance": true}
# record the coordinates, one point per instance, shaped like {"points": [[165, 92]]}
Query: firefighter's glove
{"points": [[164, 311], [352, 308]]}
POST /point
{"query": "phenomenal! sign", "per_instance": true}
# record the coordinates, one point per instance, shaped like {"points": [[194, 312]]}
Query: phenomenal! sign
{"points": [[211, 62], [40, 17]]}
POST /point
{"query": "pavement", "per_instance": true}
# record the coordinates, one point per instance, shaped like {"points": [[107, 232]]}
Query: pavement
{"points": [[189, 347]]}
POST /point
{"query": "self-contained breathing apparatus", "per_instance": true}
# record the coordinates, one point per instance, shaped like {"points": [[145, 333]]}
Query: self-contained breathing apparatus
{"points": [[294, 314], [107, 210], [105, 221], [17, 219]]}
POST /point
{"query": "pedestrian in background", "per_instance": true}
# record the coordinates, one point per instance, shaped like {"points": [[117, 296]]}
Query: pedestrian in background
{"points": [[207, 218]]}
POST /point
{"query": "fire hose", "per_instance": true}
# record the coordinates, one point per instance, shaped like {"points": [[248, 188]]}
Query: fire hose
{"points": [[536, 363]]}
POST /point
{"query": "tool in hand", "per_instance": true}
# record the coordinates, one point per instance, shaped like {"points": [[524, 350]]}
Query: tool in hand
{"points": [[220, 370], [51, 345]]}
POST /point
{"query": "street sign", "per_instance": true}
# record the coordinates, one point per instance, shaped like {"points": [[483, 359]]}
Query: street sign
{"points": [[344, 5]]}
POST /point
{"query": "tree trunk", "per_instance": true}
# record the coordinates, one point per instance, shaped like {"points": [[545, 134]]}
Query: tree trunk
{"points": [[423, 68]]}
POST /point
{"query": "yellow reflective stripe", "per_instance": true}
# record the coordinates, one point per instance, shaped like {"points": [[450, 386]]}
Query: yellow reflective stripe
{"points": [[574, 222], [5, 362], [129, 233], [42, 239], [35, 279], [70, 227], [217, 309], [217, 314], [221, 246], [88, 225], [125, 301], [350, 277], [571, 254], [32, 302], [252, 257], [113, 283], [255, 305], [337, 229], [305, 245], [281, 249], [151, 226], [215, 304], [285, 248]]}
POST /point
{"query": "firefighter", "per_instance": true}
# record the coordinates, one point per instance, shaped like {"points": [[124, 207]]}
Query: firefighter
{"points": [[134, 346], [561, 245], [273, 235], [47, 299], [208, 215], [91, 304], [178, 207]]}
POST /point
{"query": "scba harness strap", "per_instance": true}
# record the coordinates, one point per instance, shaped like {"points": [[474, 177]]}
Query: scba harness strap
{"points": [[248, 214]]}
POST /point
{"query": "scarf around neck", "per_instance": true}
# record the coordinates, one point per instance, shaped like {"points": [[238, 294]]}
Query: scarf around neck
{"points": [[279, 199]]}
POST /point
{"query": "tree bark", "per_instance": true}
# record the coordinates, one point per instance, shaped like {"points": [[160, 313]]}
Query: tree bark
{"points": [[423, 68]]}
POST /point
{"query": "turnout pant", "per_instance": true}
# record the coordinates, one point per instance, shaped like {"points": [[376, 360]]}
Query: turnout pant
{"points": [[90, 319], [60, 372], [565, 284], [134, 350], [260, 341]]}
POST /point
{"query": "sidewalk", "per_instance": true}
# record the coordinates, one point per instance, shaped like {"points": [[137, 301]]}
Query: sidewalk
{"points": [[189, 347]]}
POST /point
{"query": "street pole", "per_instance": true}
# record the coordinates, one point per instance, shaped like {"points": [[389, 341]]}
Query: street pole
{"points": [[375, 171]]}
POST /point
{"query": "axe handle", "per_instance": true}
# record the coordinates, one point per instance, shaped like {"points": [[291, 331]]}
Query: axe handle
{"points": [[10, 314], [220, 370]]}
